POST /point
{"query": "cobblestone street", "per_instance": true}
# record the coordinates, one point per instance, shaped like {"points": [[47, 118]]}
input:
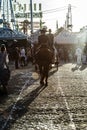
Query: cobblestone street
{"points": [[62, 105]]}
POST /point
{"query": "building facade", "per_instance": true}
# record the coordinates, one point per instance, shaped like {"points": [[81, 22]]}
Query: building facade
{"points": [[22, 12]]}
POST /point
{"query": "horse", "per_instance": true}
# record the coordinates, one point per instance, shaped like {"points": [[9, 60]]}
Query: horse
{"points": [[43, 58]]}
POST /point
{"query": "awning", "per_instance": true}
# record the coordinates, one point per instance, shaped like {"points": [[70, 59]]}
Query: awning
{"points": [[7, 33], [66, 37]]}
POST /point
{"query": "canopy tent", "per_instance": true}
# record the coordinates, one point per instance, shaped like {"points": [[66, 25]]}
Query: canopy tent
{"points": [[7, 33], [70, 41], [66, 37], [12, 38]]}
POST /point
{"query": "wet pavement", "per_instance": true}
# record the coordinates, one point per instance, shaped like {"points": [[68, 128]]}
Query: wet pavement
{"points": [[62, 105]]}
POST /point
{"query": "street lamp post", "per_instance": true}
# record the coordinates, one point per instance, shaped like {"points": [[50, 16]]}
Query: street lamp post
{"points": [[31, 11]]}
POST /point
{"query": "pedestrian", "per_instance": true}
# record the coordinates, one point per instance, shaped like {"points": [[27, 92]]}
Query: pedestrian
{"points": [[4, 68], [84, 58], [51, 42], [16, 57], [51, 38], [22, 56], [29, 55], [79, 56]]}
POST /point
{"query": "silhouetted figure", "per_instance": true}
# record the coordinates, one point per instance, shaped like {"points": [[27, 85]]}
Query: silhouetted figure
{"points": [[51, 38], [4, 69], [43, 38], [78, 56], [16, 57], [44, 59], [22, 56]]}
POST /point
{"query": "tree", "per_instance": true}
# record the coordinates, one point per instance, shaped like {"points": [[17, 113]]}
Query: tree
{"points": [[25, 25]]}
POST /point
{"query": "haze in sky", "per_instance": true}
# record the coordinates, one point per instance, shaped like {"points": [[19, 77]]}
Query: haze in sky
{"points": [[54, 10]]}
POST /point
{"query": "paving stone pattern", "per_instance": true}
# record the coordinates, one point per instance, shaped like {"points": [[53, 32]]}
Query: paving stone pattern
{"points": [[62, 105]]}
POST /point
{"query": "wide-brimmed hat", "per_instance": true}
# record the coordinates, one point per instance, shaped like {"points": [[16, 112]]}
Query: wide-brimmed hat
{"points": [[50, 30], [43, 30]]}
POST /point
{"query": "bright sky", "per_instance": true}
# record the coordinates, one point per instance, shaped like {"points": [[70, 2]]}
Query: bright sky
{"points": [[79, 12]]}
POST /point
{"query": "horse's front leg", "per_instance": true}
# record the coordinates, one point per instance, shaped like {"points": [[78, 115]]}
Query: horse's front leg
{"points": [[46, 71], [41, 75]]}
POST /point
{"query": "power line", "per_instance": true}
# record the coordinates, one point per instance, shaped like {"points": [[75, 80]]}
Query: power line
{"points": [[56, 9]]}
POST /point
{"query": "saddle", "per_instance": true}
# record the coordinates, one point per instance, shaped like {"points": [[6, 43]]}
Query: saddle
{"points": [[44, 54]]}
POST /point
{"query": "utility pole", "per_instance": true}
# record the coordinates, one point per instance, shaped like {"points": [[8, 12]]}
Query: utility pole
{"points": [[31, 11]]}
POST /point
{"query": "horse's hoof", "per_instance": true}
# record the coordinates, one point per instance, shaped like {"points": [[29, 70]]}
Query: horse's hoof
{"points": [[41, 82], [46, 84]]}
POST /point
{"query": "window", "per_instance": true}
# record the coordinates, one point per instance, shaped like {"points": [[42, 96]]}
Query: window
{"points": [[24, 7], [34, 6], [19, 7], [14, 7], [29, 7], [40, 7]]}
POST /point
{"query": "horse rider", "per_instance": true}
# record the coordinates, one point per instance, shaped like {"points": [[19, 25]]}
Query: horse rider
{"points": [[43, 38], [44, 56]]}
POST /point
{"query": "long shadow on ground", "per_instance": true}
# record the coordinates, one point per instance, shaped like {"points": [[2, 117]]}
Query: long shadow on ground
{"points": [[18, 109], [15, 85], [81, 68]]}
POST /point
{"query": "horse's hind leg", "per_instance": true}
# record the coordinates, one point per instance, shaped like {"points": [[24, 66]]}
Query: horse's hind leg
{"points": [[41, 75], [46, 83]]}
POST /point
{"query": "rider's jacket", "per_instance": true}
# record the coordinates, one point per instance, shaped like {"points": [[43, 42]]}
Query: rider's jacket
{"points": [[43, 39]]}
